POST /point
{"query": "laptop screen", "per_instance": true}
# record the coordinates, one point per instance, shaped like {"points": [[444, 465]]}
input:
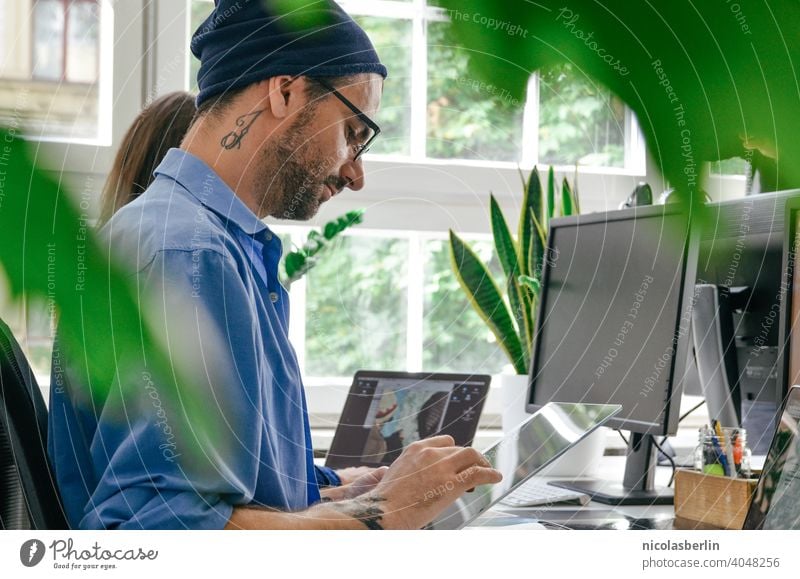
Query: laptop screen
{"points": [[776, 500], [387, 411]]}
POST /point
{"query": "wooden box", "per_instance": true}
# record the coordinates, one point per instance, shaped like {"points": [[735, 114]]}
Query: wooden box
{"points": [[714, 501]]}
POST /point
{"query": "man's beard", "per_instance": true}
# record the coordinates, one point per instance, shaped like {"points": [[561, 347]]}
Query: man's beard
{"points": [[293, 184]]}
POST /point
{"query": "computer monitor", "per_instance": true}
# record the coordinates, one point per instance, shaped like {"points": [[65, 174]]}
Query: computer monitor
{"points": [[613, 327], [789, 344], [742, 252]]}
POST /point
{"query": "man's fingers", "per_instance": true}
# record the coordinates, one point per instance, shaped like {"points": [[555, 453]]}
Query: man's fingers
{"points": [[467, 457], [478, 475], [440, 441], [378, 473]]}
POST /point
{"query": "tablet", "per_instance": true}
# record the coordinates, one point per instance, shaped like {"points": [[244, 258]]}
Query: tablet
{"points": [[776, 500], [546, 435]]}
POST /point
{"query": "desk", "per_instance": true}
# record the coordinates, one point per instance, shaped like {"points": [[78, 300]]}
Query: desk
{"points": [[594, 515]]}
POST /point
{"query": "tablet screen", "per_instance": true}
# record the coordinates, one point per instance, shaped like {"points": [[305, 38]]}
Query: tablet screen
{"points": [[776, 500], [545, 436]]}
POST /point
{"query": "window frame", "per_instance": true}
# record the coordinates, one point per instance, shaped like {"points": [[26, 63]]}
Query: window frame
{"points": [[66, 6], [403, 194]]}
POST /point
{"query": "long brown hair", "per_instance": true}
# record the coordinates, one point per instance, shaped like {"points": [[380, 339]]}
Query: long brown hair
{"points": [[159, 127]]}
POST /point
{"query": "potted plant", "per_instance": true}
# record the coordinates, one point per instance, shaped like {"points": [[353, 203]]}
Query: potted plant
{"points": [[510, 312], [508, 306]]}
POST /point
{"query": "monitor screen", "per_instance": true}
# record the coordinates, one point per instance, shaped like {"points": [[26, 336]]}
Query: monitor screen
{"points": [[742, 248], [613, 319], [793, 378]]}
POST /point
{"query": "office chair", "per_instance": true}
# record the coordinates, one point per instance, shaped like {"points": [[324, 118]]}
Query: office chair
{"points": [[28, 494]]}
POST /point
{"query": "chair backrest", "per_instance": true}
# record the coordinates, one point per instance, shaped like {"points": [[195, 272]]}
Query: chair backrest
{"points": [[29, 496]]}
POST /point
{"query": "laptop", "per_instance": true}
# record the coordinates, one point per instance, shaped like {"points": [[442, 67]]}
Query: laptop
{"points": [[546, 435], [386, 411], [776, 500]]}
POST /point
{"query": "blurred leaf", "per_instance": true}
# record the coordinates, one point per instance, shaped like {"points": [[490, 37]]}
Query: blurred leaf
{"points": [[299, 14], [698, 75], [50, 252]]}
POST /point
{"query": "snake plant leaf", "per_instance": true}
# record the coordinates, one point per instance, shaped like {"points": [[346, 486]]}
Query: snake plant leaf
{"points": [[521, 310], [532, 284], [551, 198], [539, 229], [531, 203], [567, 207], [486, 299], [575, 198], [508, 254], [503, 242]]}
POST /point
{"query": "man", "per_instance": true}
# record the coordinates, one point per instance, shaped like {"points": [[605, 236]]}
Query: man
{"points": [[284, 116]]}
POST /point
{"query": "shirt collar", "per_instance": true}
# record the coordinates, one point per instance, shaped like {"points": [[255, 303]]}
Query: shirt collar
{"points": [[204, 184]]}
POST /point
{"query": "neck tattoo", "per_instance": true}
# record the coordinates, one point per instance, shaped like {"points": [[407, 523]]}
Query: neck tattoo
{"points": [[233, 140]]}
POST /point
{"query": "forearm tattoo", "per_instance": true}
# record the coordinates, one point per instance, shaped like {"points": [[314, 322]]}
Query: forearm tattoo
{"points": [[365, 509], [234, 138]]}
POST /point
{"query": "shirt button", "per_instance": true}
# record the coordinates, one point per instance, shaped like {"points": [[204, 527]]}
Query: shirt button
{"points": [[268, 236], [273, 297]]}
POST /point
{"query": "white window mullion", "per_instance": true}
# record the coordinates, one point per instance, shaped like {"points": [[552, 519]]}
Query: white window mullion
{"points": [[530, 124], [634, 144], [419, 82], [416, 303], [297, 310]]}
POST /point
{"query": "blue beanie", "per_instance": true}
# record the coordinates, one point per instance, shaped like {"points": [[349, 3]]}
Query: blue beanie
{"points": [[245, 41]]}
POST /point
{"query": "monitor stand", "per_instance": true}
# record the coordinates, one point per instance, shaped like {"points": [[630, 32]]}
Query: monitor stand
{"points": [[638, 486]]}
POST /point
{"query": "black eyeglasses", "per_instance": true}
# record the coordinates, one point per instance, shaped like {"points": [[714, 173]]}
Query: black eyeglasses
{"points": [[376, 130]]}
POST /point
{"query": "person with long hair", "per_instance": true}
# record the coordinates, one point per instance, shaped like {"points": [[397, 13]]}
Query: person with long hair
{"points": [[158, 128]]}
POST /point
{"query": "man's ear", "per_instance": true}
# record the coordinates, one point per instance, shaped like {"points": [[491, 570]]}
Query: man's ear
{"points": [[281, 93]]}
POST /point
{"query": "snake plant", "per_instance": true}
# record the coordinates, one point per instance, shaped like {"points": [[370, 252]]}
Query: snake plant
{"points": [[510, 312]]}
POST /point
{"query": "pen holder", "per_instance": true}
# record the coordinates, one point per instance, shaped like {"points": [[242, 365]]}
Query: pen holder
{"points": [[716, 501], [722, 453]]}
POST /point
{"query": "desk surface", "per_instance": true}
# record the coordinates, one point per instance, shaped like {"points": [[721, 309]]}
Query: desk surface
{"points": [[594, 515]]}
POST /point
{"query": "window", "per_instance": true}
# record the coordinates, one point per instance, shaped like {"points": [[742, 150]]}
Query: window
{"points": [[579, 122], [65, 41], [357, 307], [455, 338], [387, 300], [50, 79], [432, 109]]}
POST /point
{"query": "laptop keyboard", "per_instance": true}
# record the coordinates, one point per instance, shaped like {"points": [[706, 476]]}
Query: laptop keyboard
{"points": [[536, 493]]}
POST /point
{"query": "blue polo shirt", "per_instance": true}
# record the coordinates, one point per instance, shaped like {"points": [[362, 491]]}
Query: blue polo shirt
{"points": [[192, 239]]}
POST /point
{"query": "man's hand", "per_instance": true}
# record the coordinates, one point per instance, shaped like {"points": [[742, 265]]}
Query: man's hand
{"points": [[428, 477], [351, 474], [367, 481]]}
